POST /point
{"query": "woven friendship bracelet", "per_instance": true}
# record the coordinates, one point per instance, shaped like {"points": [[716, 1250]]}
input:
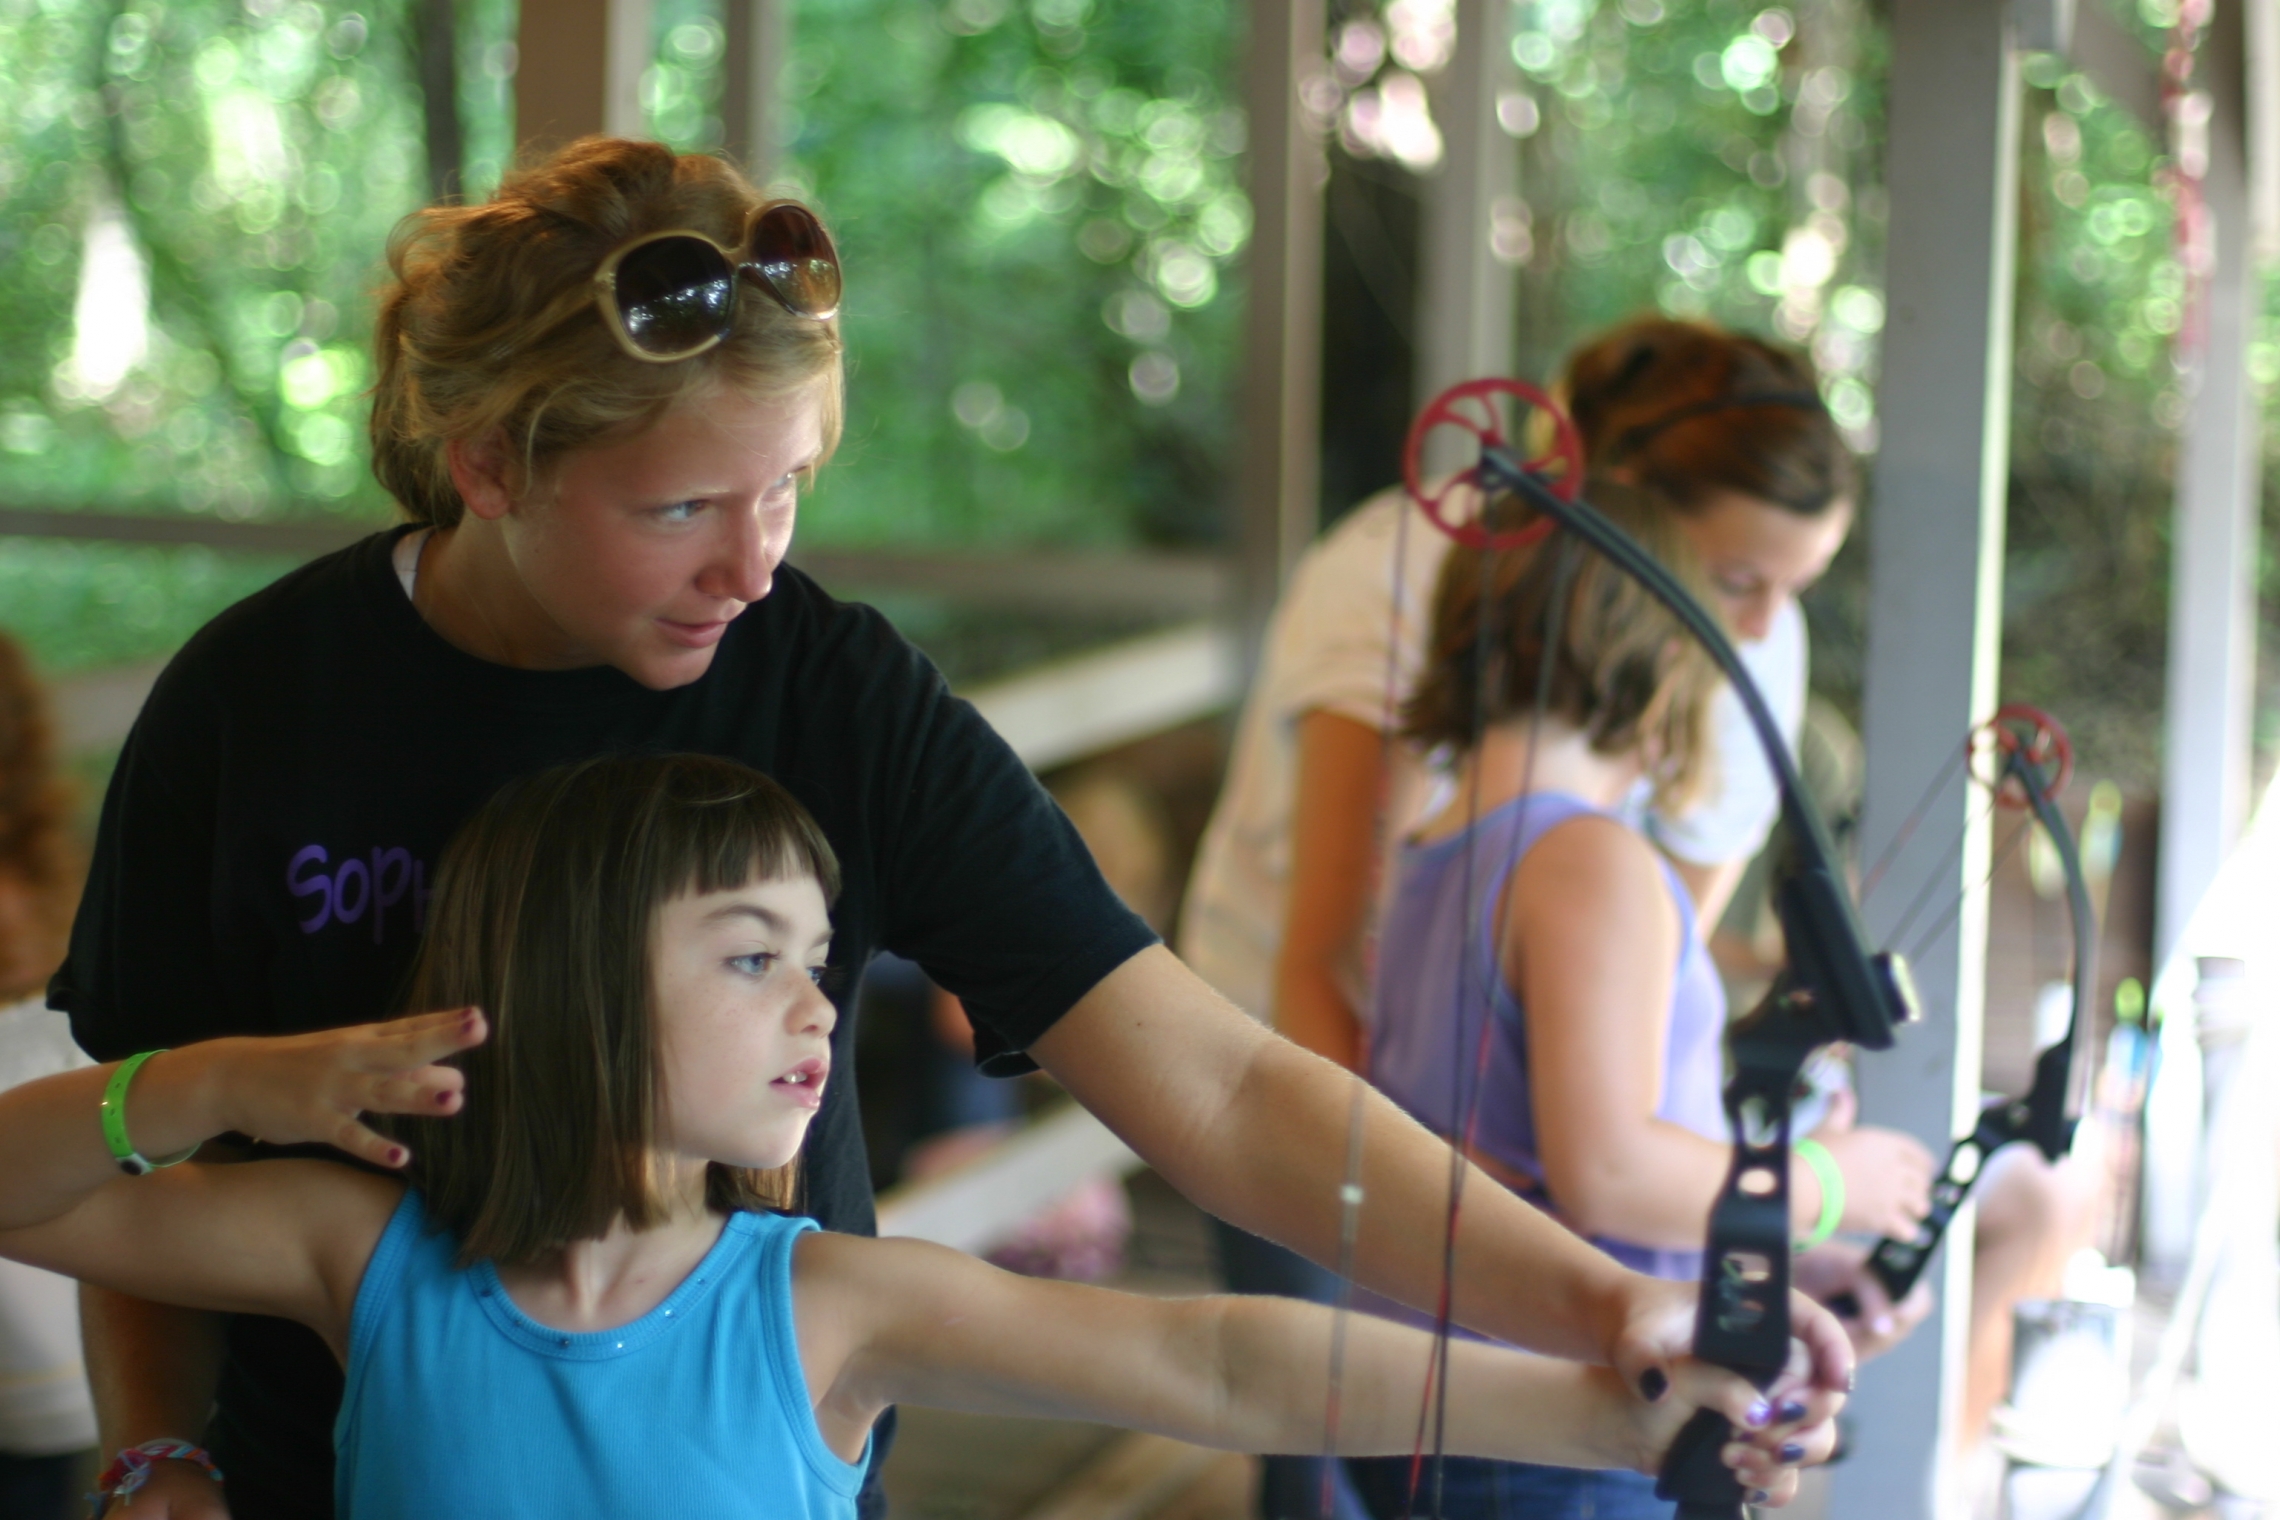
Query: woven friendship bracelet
{"points": [[130, 1469]]}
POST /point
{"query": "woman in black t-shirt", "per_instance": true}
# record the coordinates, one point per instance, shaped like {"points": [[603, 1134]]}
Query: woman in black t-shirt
{"points": [[598, 396]]}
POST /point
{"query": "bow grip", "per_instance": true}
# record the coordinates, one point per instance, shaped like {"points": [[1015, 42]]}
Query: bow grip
{"points": [[1692, 1476]]}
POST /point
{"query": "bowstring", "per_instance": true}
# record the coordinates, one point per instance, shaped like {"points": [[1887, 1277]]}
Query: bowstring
{"points": [[1931, 936], [1916, 815], [1350, 1190], [1928, 892], [1469, 1081], [1431, 1405]]}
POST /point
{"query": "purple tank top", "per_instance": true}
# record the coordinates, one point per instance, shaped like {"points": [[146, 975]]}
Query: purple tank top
{"points": [[1437, 969]]}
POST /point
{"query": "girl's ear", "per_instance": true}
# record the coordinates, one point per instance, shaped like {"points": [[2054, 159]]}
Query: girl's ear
{"points": [[483, 474]]}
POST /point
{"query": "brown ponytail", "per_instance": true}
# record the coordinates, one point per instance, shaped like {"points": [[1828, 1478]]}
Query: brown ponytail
{"points": [[1686, 411]]}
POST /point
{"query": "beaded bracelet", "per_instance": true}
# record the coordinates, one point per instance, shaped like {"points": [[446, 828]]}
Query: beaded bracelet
{"points": [[130, 1469], [1816, 1155]]}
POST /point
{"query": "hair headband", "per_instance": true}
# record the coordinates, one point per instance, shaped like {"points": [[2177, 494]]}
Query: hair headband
{"points": [[1634, 439]]}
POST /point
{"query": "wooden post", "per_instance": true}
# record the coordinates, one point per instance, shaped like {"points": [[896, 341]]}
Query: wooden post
{"points": [[757, 41], [1934, 621], [1466, 296], [1278, 482], [578, 67]]}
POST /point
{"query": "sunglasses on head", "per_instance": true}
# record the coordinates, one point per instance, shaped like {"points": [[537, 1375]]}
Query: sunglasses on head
{"points": [[672, 295]]}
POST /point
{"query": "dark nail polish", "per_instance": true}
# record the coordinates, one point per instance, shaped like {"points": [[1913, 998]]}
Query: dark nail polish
{"points": [[1792, 1451], [1792, 1410], [1759, 1496], [1760, 1415], [1653, 1385], [395, 1155]]}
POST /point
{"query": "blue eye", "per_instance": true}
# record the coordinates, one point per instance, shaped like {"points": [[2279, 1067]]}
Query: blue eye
{"points": [[755, 964], [678, 512]]}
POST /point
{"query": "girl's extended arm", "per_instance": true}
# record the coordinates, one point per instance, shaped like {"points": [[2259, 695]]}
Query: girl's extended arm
{"points": [[905, 1322], [252, 1237], [1592, 946], [1333, 866]]}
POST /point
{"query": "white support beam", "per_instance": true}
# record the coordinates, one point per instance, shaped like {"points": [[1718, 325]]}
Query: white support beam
{"points": [[1279, 482], [1051, 714], [1936, 545], [977, 1207], [2213, 539], [1466, 294], [1080, 706], [757, 36]]}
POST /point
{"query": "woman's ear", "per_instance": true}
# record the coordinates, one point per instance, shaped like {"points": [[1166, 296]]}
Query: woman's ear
{"points": [[483, 474]]}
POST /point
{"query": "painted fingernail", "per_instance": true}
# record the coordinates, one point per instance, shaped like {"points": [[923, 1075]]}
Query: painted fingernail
{"points": [[1653, 1385], [1760, 1415], [395, 1155], [443, 1100], [1792, 1411], [1760, 1496], [1792, 1451]]}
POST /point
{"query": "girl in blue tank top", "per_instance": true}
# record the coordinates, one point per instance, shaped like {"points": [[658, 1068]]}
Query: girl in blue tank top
{"points": [[562, 1283], [1543, 995]]}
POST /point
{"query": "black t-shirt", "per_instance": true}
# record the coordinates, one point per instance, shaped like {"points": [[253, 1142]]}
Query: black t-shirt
{"points": [[272, 831]]}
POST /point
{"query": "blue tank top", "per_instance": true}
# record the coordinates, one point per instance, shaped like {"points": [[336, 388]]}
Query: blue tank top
{"points": [[1437, 968], [457, 1403]]}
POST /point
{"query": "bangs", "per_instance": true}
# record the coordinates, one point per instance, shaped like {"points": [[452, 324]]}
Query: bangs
{"points": [[543, 914]]}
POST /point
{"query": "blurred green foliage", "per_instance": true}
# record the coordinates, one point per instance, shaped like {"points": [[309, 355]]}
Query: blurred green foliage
{"points": [[1040, 205], [1040, 209]]}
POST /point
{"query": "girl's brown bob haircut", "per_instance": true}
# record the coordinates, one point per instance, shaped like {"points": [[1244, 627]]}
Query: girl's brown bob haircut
{"points": [[543, 916], [488, 325], [1625, 672], [1688, 411]]}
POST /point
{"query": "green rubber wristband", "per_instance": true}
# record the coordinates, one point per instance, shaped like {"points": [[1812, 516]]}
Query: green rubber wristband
{"points": [[1816, 1155], [114, 1111]]}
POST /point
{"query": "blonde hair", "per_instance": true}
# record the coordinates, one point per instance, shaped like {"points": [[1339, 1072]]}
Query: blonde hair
{"points": [[1626, 672], [489, 324]]}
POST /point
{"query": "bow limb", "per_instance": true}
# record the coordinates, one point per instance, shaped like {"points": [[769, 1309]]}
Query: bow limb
{"points": [[2047, 1115]]}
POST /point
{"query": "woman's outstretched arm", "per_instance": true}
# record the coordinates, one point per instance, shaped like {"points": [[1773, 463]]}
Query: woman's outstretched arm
{"points": [[254, 1238], [1254, 1130], [899, 1321], [1592, 947]]}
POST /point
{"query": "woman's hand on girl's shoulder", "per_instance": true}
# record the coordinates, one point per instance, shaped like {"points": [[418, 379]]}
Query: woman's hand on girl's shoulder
{"points": [[316, 1088]]}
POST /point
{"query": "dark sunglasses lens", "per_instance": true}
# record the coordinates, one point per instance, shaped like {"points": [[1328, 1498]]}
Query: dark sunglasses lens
{"points": [[791, 252], [674, 294]]}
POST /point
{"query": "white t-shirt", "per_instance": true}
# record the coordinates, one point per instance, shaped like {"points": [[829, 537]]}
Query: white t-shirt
{"points": [[44, 1404], [1330, 646]]}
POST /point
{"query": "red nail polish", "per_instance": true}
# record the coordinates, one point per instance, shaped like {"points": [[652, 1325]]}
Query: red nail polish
{"points": [[395, 1155]]}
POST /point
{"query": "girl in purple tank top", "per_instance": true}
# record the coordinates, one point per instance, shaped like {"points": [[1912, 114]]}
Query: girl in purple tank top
{"points": [[1543, 995]]}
